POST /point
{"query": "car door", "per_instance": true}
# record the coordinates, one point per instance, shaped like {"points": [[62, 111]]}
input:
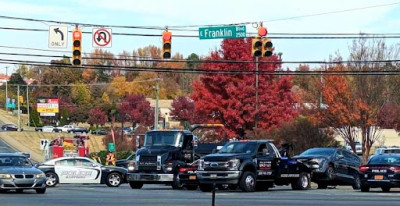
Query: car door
{"points": [[77, 170], [88, 170], [341, 164], [265, 162], [66, 171]]}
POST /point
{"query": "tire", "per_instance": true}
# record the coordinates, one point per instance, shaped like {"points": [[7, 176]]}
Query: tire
{"points": [[114, 179], [330, 173], [177, 184], [322, 185], [364, 188], [191, 187], [41, 191], [51, 179], [357, 182], [303, 183], [385, 189], [19, 190], [248, 182], [206, 187], [136, 185]]}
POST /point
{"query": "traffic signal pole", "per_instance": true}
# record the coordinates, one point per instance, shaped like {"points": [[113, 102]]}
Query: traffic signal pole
{"points": [[19, 111], [256, 108], [27, 104]]}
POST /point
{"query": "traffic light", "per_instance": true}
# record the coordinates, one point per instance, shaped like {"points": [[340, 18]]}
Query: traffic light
{"points": [[166, 47], [267, 47], [256, 47], [76, 47]]}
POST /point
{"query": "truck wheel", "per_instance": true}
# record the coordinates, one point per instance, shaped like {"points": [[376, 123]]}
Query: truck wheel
{"points": [[248, 182], [206, 187], [113, 179], [191, 187], [357, 182], [136, 185], [177, 184], [302, 183], [51, 179]]}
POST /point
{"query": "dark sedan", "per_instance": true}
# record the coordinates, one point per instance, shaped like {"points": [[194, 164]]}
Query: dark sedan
{"points": [[10, 127], [381, 171], [332, 166], [78, 130], [99, 132], [18, 173]]}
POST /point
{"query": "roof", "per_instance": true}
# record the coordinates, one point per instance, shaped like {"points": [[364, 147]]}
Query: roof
{"points": [[12, 155]]}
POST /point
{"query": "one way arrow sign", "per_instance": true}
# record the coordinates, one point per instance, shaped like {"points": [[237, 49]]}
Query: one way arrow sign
{"points": [[58, 36]]}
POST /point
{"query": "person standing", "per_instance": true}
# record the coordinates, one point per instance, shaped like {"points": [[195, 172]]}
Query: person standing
{"points": [[96, 158], [110, 159]]}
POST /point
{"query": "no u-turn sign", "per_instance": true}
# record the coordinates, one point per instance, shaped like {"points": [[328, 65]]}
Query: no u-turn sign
{"points": [[102, 37]]}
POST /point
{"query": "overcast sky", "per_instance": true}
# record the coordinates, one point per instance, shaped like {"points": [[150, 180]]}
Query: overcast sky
{"points": [[381, 19]]}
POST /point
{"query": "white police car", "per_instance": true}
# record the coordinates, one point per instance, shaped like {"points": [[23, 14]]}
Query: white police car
{"points": [[81, 170]]}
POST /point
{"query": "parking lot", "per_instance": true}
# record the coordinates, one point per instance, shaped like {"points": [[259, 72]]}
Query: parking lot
{"points": [[164, 195]]}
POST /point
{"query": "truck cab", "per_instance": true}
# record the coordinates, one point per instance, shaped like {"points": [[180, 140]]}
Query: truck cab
{"points": [[251, 165]]}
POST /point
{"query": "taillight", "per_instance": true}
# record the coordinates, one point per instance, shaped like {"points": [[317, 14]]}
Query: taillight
{"points": [[363, 168], [395, 168], [182, 170]]}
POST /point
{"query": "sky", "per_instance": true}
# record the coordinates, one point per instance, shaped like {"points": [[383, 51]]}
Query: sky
{"points": [[276, 17]]}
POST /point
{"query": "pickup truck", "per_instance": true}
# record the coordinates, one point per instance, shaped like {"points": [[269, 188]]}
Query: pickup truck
{"points": [[252, 165], [66, 128]]}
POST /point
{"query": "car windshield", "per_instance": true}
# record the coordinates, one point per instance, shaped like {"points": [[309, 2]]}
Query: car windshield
{"points": [[14, 161], [239, 147], [161, 138], [319, 151], [384, 159]]}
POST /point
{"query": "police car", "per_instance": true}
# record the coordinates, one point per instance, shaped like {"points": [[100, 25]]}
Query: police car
{"points": [[81, 170]]}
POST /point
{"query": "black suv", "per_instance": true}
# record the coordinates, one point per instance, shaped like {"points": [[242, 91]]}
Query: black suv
{"points": [[251, 165], [332, 166]]}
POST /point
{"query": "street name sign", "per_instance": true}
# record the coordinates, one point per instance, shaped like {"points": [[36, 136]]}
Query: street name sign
{"points": [[58, 36], [223, 32]]}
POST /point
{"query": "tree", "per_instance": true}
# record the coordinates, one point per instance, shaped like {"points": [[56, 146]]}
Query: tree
{"points": [[230, 99], [183, 110], [97, 117], [80, 94], [136, 109], [16, 78]]}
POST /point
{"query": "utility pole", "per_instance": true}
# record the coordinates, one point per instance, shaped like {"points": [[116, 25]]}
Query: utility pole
{"points": [[156, 106], [27, 105], [19, 113], [256, 115], [6, 87]]}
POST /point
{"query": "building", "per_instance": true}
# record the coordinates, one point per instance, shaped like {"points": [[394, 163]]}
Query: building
{"points": [[164, 107], [3, 79]]}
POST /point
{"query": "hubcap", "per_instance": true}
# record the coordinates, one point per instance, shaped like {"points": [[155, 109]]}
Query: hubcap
{"points": [[50, 180], [304, 181], [249, 181], [114, 180]]}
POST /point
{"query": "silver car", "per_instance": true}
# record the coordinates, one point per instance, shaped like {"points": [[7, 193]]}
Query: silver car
{"points": [[18, 173]]}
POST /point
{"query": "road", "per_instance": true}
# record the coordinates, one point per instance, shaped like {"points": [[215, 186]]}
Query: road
{"points": [[3, 146], [163, 195]]}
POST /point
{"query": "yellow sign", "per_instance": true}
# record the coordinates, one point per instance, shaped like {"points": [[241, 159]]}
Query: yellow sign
{"points": [[21, 99], [47, 110]]}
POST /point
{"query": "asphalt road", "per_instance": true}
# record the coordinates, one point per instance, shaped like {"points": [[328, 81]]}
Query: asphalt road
{"points": [[3, 146], [163, 195]]}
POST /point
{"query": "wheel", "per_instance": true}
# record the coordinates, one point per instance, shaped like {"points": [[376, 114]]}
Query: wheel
{"points": [[364, 188], [206, 187], [177, 184], [302, 183], [114, 179], [19, 190], [330, 172], [41, 191], [51, 179], [322, 185], [357, 182], [136, 185], [385, 189], [248, 182], [191, 187]]}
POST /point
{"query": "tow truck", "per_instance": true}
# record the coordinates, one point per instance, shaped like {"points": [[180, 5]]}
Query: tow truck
{"points": [[164, 153], [252, 165]]}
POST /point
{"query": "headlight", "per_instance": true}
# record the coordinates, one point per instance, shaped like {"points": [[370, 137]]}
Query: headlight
{"points": [[317, 160], [41, 175], [233, 164], [201, 164], [5, 176]]}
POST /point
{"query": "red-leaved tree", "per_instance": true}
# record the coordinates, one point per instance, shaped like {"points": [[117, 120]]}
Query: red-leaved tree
{"points": [[136, 109], [97, 116], [230, 98], [183, 110]]}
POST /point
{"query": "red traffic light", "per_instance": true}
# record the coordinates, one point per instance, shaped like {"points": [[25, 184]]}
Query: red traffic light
{"points": [[262, 31], [167, 36], [77, 34]]}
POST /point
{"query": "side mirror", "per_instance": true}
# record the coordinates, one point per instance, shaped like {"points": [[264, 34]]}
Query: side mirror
{"points": [[137, 142], [195, 142]]}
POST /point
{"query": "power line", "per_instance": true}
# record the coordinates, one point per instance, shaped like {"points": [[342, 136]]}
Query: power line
{"points": [[206, 71]]}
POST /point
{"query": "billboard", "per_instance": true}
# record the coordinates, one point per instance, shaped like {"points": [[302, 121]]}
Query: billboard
{"points": [[47, 107]]}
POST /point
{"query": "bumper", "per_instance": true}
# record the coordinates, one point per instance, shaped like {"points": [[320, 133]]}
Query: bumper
{"points": [[188, 179], [380, 183], [150, 178], [218, 177], [10, 184]]}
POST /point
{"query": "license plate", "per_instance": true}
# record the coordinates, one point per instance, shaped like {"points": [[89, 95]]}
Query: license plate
{"points": [[213, 175], [378, 177], [192, 177]]}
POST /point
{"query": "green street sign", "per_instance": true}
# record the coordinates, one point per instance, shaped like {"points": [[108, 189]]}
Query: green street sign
{"points": [[223, 32], [111, 147]]}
